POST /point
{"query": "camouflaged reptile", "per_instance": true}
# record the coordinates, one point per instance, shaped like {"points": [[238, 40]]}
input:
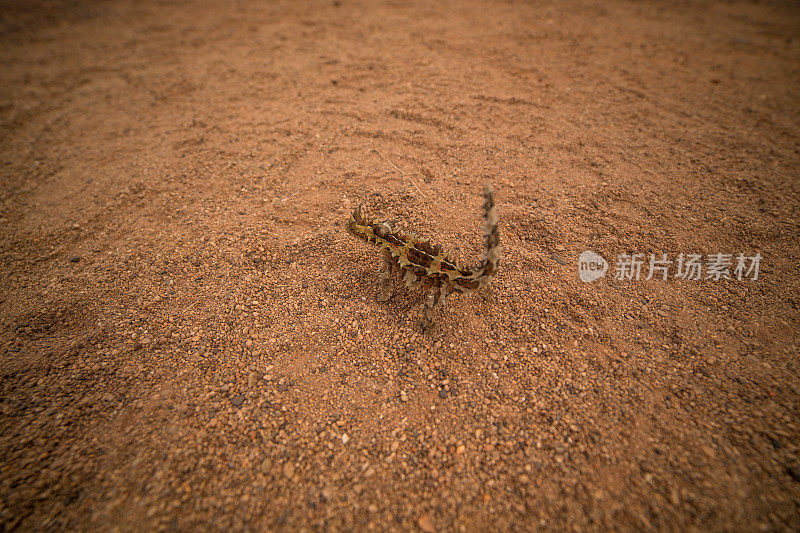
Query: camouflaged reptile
{"points": [[418, 263]]}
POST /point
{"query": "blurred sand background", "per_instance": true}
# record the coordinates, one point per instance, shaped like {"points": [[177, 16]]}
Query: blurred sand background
{"points": [[190, 340]]}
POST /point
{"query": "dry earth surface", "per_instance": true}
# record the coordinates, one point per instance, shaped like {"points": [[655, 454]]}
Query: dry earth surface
{"points": [[189, 338]]}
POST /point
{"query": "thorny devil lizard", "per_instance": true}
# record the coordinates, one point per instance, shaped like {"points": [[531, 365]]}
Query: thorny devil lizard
{"points": [[419, 263]]}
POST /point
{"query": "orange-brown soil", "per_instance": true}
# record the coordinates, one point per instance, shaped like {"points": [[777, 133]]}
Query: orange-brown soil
{"points": [[189, 339]]}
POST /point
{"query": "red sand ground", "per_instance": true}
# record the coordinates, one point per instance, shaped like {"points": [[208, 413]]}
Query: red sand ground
{"points": [[189, 338]]}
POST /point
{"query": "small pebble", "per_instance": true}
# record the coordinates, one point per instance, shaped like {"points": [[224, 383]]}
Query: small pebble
{"points": [[237, 400], [426, 524]]}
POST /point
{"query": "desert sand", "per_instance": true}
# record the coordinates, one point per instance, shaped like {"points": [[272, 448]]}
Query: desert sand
{"points": [[190, 340]]}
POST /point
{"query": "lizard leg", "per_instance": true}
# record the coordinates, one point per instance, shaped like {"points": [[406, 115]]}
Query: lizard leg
{"points": [[486, 293], [385, 278], [435, 300]]}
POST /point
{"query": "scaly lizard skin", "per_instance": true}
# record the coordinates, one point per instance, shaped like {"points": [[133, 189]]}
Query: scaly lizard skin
{"points": [[419, 263]]}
